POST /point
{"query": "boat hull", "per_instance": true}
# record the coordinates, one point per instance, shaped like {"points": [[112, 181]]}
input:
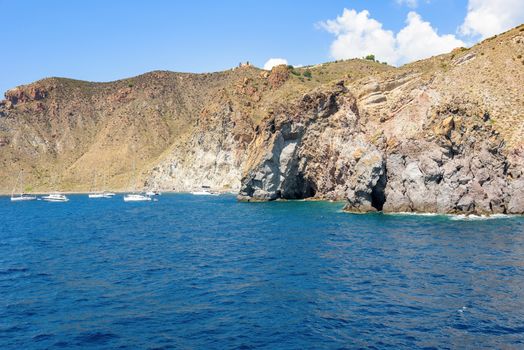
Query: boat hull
{"points": [[136, 198], [23, 198], [55, 198], [96, 195]]}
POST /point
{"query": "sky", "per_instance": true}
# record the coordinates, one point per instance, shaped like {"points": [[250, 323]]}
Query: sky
{"points": [[101, 40]]}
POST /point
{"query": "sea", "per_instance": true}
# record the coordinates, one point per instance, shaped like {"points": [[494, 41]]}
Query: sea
{"points": [[208, 272]]}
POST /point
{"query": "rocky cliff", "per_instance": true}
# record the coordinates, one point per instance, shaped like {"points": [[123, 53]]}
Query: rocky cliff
{"points": [[444, 134]]}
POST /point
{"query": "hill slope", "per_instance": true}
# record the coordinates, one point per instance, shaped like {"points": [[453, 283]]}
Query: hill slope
{"points": [[443, 134]]}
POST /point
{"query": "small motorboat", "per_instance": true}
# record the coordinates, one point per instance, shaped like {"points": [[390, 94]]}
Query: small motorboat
{"points": [[153, 193], [55, 197], [205, 191], [96, 195], [136, 197]]}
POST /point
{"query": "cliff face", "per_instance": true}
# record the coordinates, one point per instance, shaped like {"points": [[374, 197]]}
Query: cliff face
{"points": [[442, 135], [439, 135]]}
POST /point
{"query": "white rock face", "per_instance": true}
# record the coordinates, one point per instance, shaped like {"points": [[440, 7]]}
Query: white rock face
{"points": [[209, 157]]}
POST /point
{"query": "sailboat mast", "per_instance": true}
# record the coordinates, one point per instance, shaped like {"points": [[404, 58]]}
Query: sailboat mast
{"points": [[16, 184]]}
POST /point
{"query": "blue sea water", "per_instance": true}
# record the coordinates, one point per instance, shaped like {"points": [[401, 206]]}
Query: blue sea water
{"points": [[191, 272]]}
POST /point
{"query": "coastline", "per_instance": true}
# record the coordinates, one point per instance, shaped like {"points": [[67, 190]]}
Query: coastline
{"points": [[450, 216]]}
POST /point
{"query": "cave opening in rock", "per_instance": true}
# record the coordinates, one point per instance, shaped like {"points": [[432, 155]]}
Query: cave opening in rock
{"points": [[299, 188], [378, 193]]}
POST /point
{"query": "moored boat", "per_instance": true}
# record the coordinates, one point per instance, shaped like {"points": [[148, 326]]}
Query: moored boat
{"points": [[21, 197], [204, 191], [55, 197], [153, 193], [136, 197]]}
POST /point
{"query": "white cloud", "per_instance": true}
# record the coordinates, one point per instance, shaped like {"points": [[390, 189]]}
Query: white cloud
{"points": [[357, 35], [409, 3], [419, 40], [274, 62], [489, 17]]}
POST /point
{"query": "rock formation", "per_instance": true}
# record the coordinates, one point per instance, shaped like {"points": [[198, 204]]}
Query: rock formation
{"points": [[443, 135]]}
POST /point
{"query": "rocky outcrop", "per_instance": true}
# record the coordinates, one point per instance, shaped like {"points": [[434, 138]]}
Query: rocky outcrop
{"points": [[278, 76], [25, 94], [398, 143], [443, 135], [458, 164], [212, 156]]}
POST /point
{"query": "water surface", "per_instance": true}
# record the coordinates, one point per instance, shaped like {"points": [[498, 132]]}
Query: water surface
{"points": [[191, 272]]}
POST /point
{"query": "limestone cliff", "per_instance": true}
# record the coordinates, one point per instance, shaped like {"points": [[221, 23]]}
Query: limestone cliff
{"points": [[444, 134]]}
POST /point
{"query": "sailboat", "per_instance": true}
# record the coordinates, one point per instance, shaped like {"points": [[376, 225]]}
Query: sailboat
{"points": [[107, 194], [22, 196], [55, 197], [134, 196], [98, 194]]}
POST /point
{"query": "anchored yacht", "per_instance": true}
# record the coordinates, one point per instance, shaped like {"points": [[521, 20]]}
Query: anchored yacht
{"points": [[55, 197], [99, 194], [21, 196], [205, 191], [136, 197]]}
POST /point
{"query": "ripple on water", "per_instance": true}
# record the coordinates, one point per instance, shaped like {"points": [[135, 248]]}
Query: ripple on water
{"points": [[195, 273]]}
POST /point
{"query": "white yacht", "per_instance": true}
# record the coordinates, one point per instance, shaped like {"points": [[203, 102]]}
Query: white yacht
{"points": [[136, 197], [21, 196], [99, 194], [55, 197], [205, 191]]}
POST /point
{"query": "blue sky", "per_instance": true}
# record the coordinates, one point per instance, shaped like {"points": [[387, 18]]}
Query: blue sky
{"points": [[106, 40]]}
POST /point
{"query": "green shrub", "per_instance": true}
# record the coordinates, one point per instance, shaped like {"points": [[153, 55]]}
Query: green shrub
{"points": [[370, 58], [307, 74]]}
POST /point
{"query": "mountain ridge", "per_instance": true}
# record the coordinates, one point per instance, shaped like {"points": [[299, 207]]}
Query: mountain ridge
{"points": [[222, 129]]}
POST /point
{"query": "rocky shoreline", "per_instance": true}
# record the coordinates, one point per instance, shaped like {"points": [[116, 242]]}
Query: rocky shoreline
{"points": [[442, 135]]}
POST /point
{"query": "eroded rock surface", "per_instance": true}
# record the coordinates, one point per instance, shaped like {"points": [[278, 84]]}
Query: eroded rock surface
{"points": [[445, 134]]}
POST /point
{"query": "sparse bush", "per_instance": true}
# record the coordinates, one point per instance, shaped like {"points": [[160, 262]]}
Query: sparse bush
{"points": [[307, 74], [370, 58]]}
